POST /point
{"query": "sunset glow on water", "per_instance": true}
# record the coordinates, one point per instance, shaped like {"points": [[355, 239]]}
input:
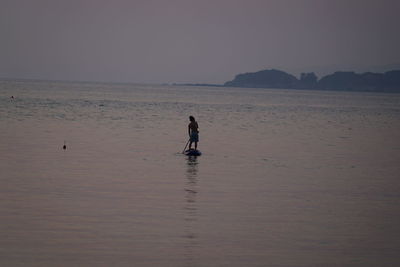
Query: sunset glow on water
{"points": [[287, 178]]}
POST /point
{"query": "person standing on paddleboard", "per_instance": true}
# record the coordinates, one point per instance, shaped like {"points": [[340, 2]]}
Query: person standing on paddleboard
{"points": [[193, 130]]}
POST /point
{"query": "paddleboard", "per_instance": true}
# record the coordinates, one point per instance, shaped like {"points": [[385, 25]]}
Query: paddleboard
{"points": [[193, 152]]}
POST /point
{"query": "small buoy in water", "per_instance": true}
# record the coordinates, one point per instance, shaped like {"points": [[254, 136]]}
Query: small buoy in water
{"points": [[64, 146]]}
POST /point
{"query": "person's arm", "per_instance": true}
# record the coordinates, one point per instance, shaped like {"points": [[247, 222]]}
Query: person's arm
{"points": [[189, 129]]}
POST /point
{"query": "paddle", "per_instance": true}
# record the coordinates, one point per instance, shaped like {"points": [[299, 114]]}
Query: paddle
{"points": [[185, 147]]}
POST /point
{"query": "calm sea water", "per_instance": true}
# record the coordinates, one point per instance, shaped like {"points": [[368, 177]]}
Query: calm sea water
{"points": [[287, 178]]}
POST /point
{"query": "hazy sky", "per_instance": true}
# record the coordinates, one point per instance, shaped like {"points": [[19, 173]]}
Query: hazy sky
{"points": [[192, 41]]}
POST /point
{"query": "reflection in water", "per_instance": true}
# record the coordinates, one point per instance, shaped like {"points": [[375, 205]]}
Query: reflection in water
{"points": [[190, 210]]}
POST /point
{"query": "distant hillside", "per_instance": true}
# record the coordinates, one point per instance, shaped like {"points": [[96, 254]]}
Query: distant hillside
{"points": [[264, 79], [338, 81], [369, 81]]}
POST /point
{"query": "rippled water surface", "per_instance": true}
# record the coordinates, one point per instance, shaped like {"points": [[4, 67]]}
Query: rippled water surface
{"points": [[287, 178]]}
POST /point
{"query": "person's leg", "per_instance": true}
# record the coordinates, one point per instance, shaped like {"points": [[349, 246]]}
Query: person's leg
{"points": [[190, 145]]}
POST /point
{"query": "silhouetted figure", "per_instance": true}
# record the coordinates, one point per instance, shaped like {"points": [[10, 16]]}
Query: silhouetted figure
{"points": [[12, 97], [64, 146], [193, 130]]}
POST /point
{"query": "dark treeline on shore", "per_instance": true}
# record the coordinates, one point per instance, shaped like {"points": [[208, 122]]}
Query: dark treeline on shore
{"points": [[338, 81]]}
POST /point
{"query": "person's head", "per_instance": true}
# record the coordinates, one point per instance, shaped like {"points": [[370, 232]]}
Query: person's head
{"points": [[191, 118]]}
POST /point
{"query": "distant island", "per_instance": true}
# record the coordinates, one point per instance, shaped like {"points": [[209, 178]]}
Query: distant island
{"points": [[338, 81]]}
